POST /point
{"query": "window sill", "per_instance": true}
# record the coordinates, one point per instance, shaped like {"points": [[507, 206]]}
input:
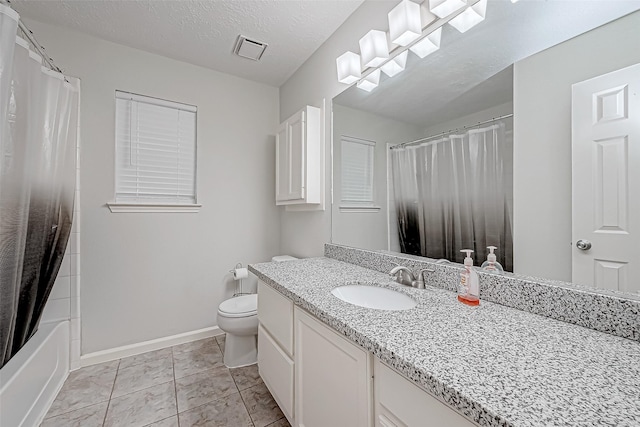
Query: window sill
{"points": [[151, 207], [360, 209]]}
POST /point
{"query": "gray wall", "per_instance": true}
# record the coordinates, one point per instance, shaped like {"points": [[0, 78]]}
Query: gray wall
{"points": [[153, 275], [542, 140]]}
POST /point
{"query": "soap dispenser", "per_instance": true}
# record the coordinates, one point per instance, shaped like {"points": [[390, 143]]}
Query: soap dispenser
{"points": [[469, 287], [491, 264]]}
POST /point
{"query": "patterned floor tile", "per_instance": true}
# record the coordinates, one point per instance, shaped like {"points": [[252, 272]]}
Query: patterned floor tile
{"points": [[246, 377], [261, 406], [143, 375], [228, 411], [90, 416], [142, 407], [204, 387]]}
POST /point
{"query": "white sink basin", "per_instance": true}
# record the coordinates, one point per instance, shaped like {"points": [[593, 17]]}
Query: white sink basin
{"points": [[370, 296]]}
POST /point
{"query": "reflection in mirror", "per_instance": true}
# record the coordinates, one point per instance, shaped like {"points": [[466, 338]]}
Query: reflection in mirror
{"points": [[495, 70]]}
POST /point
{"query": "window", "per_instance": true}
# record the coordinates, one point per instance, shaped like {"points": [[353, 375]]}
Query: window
{"points": [[357, 172], [155, 154]]}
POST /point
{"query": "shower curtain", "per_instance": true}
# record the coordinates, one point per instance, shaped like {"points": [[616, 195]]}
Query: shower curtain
{"points": [[38, 136], [456, 193]]}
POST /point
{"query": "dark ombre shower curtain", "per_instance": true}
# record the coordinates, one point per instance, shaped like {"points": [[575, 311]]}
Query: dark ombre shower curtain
{"points": [[456, 193], [38, 138]]}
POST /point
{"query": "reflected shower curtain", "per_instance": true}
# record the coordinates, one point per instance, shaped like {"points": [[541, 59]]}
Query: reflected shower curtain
{"points": [[456, 193], [38, 134]]}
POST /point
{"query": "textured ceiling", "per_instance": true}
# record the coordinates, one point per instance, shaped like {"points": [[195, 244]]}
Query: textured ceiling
{"points": [[204, 32], [471, 71]]}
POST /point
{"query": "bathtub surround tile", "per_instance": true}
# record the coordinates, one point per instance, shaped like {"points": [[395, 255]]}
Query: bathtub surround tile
{"points": [[85, 387], [206, 357], [263, 410], [149, 356], [90, 416], [143, 375], [228, 411], [246, 377], [204, 387], [142, 407]]}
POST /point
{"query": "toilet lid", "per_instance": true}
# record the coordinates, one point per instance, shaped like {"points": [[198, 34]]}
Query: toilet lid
{"points": [[242, 306]]}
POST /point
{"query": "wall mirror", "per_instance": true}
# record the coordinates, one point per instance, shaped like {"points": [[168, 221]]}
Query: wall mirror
{"points": [[474, 78]]}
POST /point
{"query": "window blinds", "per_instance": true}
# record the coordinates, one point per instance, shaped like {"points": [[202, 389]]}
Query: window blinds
{"points": [[155, 151], [357, 170]]}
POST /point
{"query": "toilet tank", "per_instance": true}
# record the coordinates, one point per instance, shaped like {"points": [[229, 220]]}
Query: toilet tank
{"points": [[281, 258]]}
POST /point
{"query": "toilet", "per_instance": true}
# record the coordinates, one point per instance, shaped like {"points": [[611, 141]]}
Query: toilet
{"points": [[238, 318]]}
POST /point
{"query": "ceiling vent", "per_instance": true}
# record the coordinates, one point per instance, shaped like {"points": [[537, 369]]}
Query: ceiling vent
{"points": [[249, 49]]}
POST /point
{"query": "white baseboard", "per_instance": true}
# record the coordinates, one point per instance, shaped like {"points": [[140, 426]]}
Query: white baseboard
{"points": [[145, 346]]}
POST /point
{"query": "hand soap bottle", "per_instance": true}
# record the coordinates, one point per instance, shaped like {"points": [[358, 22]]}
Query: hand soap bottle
{"points": [[491, 264], [469, 287]]}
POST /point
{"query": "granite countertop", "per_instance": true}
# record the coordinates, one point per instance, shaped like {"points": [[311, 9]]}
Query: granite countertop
{"points": [[498, 365]]}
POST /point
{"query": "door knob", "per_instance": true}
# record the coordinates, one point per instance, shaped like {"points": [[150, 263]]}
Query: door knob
{"points": [[583, 245]]}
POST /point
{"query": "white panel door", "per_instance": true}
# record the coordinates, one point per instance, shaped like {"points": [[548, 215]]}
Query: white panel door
{"points": [[606, 180], [332, 377]]}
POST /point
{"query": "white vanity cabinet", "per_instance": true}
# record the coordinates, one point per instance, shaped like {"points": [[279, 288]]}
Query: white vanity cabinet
{"points": [[299, 159], [400, 403], [275, 347], [333, 377]]}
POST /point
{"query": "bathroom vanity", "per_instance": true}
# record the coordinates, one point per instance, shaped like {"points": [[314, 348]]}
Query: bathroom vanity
{"points": [[329, 362]]}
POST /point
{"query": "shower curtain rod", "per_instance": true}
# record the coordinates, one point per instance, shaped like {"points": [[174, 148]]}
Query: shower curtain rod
{"points": [[402, 144], [31, 38]]}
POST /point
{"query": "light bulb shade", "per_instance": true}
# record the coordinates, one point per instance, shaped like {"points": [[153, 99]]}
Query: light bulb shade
{"points": [[374, 48], [444, 8], [370, 82], [404, 23], [471, 17], [428, 45], [396, 65], [348, 68]]}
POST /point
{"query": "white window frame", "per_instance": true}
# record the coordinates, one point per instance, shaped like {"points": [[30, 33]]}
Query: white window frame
{"points": [[142, 204], [347, 205]]}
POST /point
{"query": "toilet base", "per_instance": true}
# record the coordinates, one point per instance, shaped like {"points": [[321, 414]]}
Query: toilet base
{"points": [[240, 350]]}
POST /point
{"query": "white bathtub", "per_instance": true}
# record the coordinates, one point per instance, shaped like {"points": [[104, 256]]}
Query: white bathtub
{"points": [[32, 378]]}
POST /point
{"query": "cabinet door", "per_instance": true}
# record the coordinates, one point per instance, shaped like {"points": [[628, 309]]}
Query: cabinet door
{"points": [[400, 403], [297, 163], [275, 313], [333, 377], [282, 163]]}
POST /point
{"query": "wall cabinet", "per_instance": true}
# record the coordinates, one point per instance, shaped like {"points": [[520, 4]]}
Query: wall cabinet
{"points": [[299, 159], [333, 377], [400, 403]]}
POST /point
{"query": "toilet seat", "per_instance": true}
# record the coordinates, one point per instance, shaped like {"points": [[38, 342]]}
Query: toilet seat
{"points": [[242, 306]]}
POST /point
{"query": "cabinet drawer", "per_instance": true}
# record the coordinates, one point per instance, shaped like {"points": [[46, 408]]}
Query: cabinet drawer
{"points": [[275, 313], [276, 370]]}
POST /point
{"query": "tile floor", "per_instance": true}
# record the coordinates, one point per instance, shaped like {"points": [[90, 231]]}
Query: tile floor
{"points": [[182, 386]]}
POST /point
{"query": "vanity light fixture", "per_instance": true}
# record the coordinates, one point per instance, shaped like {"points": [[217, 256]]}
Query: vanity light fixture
{"points": [[471, 17], [413, 27], [349, 70], [370, 82], [396, 65], [404, 23], [428, 45], [374, 48], [444, 8]]}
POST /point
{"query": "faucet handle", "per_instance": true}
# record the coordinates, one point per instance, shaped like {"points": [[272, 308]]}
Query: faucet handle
{"points": [[420, 281]]}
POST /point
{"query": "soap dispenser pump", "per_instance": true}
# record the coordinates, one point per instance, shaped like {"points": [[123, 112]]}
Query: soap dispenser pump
{"points": [[491, 264], [469, 287]]}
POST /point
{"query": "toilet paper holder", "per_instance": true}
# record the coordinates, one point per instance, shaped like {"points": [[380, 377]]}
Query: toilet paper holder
{"points": [[239, 273]]}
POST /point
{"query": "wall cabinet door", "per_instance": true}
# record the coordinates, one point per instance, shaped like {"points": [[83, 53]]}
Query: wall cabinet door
{"points": [[400, 403], [299, 159], [333, 377]]}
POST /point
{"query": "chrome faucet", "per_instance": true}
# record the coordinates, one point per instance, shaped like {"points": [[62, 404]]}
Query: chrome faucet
{"points": [[402, 275], [405, 276]]}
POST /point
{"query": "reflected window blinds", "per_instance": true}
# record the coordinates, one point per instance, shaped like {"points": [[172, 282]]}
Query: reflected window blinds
{"points": [[357, 170], [155, 150]]}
